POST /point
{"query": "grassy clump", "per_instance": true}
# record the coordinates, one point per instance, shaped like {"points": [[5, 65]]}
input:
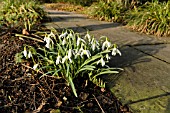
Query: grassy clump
{"points": [[112, 11], [20, 14], [151, 18], [68, 56]]}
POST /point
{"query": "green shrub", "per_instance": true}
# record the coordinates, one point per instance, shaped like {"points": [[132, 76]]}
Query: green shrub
{"points": [[69, 56], [112, 11], [151, 18], [20, 14]]}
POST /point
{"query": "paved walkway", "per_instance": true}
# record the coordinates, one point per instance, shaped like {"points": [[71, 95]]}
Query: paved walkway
{"points": [[145, 83]]}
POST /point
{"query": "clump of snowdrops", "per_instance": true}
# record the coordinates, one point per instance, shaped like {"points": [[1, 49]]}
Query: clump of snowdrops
{"points": [[69, 55]]}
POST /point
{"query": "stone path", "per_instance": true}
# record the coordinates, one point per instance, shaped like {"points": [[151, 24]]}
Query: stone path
{"points": [[145, 83]]}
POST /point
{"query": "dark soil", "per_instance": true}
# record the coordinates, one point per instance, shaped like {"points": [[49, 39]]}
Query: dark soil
{"points": [[21, 90]]}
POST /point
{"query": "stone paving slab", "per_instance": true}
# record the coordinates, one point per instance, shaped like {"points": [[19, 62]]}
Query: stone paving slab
{"points": [[161, 51], [144, 85], [119, 34]]}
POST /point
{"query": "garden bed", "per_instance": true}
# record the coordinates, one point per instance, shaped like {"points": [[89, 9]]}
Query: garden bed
{"points": [[23, 91]]}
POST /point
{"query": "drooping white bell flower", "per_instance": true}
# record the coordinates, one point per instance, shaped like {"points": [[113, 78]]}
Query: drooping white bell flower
{"points": [[29, 54], [25, 52], [106, 44], [35, 66], [63, 35], [101, 61], [85, 52], [115, 51], [58, 60]]}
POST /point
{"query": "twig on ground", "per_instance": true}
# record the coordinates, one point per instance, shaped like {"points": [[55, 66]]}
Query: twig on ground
{"points": [[40, 107], [98, 104]]}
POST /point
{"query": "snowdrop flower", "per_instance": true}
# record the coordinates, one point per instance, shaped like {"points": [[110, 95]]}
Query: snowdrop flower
{"points": [[63, 35], [70, 35], [64, 41], [58, 60], [115, 51], [107, 56], [47, 40], [101, 61], [85, 52], [80, 40], [88, 37], [29, 54], [106, 44], [35, 66], [70, 52], [94, 44], [25, 52], [64, 59]]}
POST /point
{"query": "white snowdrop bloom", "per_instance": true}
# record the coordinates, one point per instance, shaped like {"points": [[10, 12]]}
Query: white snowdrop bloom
{"points": [[88, 37], [119, 52], [58, 60], [79, 40], [64, 41], [35, 66], [115, 51], [29, 54], [101, 61], [106, 44], [85, 52], [70, 35], [107, 56], [48, 41], [94, 44], [64, 59], [25, 52], [63, 35], [45, 38], [69, 53]]}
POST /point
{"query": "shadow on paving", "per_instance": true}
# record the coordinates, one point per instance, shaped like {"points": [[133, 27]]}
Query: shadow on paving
{"points": [[130, 57], [58, 13], [93, 27]]}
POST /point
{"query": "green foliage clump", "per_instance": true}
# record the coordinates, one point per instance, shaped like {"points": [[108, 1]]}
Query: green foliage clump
{"points": [[112, 11], [151, 18], [68, 56], [20, 14]]}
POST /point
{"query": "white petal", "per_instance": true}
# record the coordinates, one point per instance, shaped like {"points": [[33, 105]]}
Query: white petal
{"points": [[64, 41], [88, 53], [69, 53], [117, 51], [25, 52], [35, 66], [64, 59], [104, 45], [58, 60], [47, 45], [114, 51], [29, 54], [63, 35], [78, 41], [107, 56], [88, 37], [93, 46], [102, 62], [98, 62], [70, 60]]}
